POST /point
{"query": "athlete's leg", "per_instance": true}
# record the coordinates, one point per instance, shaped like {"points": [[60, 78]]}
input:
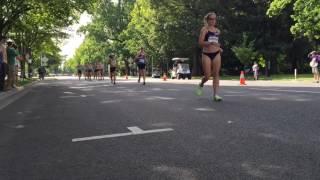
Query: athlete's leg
{"points": [[206, 67], [216, 65]]}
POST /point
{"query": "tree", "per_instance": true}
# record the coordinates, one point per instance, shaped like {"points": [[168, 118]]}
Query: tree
{"points": [[63, 11], [169, 28], [305, 16], [33, 24], [245, 51], [109, 20], [34, 32]]}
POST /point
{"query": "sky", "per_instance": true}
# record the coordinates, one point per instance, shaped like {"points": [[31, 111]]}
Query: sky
{"points": [[69, 45]]}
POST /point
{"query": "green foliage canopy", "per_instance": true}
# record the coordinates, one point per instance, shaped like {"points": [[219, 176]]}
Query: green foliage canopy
{"points": [[169, 28], [306, 16], [245, 52]]}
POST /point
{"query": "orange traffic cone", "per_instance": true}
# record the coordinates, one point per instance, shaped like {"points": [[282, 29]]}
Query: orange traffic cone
{"points": [[242, 79], [164, 76]]}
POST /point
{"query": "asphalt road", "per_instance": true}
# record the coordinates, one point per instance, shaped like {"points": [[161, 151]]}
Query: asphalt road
{"points": [[70, 130]]}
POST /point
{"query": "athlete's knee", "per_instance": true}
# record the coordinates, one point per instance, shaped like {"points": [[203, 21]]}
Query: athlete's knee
{"points": [[216, 74], [206, 78]]}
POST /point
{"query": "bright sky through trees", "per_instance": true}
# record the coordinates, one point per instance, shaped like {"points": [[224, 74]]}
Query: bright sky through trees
{"points": [[70, 44]]}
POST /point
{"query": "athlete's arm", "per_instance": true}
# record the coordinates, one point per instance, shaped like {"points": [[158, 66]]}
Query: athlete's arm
{"points": [[201, 41]]}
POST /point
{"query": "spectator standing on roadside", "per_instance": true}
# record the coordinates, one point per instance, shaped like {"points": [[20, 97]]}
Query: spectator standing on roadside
{"points": [[12, 54], [3, 62], [255, 69], [17, 64], [315, 60]]}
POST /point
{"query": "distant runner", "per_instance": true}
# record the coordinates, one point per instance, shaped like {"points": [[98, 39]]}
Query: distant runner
{"points": [[141, 63], [113, 68], [79, 70]]}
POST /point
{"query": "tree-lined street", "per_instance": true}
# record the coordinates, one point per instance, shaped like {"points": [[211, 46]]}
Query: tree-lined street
{"points": [[257, 132], [62, 118]]}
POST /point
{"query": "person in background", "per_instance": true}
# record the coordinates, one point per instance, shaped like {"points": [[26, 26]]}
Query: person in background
{"points": [[141, 63], [3, 61], [315, 60], [95, 70], [255, 70], [12, 54], [79, 71], [101, 71], [42, 72], [90, 72], [113, 68], [17, 64]]}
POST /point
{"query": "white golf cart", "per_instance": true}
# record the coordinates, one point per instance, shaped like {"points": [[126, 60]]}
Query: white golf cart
{"points": [[155, 72], [180, 68]]}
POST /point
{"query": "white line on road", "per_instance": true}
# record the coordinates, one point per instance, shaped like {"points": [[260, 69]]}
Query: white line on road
{"points": [[134, 131], [156, 131], [236, 95], [111, 101], [68, 92], [101, 137], [285, 90], [204, 109], [160, 98]]}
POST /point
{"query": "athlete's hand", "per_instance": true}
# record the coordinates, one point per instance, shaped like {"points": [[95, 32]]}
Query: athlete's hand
{"points": [[215, 44]]}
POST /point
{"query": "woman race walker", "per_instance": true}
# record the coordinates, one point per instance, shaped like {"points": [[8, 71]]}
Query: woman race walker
{"points": [[141, 63], [113, 68], [211, 58], [79, 71]]}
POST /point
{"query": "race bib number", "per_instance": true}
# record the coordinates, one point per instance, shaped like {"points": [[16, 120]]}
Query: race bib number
{"points": [[141, 61], [214, 39]]}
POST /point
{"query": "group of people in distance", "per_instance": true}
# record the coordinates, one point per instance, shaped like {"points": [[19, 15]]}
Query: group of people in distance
{"points": [[97, 70], [88, 70], [9, 60], [140, 60], [211, 58]]}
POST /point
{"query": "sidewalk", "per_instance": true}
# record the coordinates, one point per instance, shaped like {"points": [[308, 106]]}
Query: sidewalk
{"points": [[4, 94], [9, 96]]}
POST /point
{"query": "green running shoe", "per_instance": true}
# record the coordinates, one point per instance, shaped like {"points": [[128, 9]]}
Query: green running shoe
{"points": [[199, 90], [217, 98]]}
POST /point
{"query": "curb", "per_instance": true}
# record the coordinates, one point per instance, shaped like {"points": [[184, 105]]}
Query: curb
{"points": [[5, 95]]}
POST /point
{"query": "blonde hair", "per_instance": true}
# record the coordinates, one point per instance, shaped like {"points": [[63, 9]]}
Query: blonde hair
{"points": [[205, 19]]}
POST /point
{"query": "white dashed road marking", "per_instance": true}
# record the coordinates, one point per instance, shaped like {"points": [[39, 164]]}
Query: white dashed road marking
{"points": [[134, 131], [286, 90]]}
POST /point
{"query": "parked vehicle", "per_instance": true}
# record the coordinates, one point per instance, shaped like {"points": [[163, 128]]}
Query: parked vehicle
{"points": [[181, 68], [155, 73]]}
